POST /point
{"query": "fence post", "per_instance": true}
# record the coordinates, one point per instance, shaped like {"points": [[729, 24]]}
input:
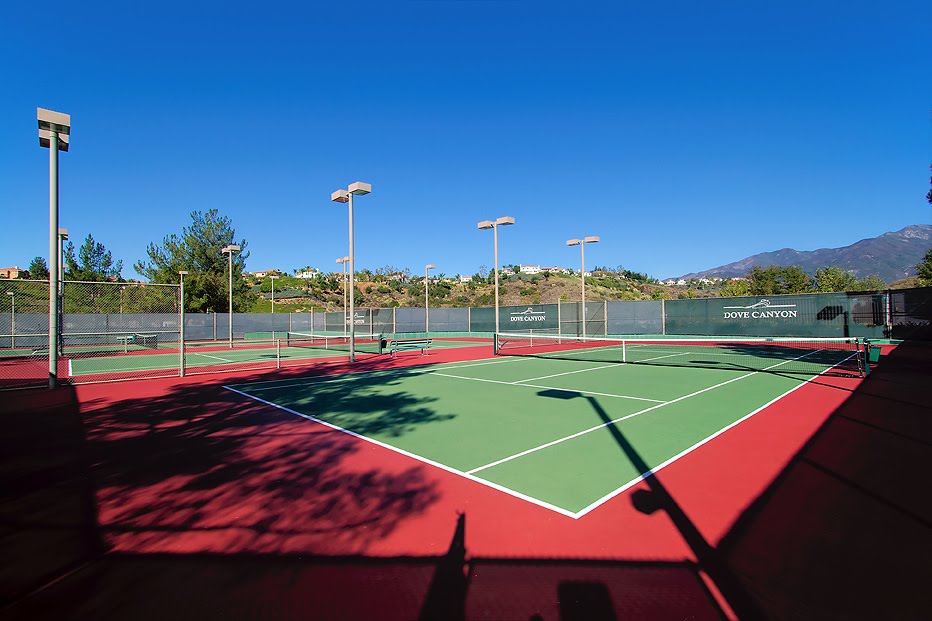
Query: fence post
{"points": [[605, 317], [215, 325], [663, 316], [559, 318], [181, 332]]}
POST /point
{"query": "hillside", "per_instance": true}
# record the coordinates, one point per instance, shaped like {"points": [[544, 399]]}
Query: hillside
{"points": [[891, 256]]}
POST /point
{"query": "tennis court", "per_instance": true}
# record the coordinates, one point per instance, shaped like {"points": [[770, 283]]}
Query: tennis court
{"points": [[563, 434], [292, 348]]}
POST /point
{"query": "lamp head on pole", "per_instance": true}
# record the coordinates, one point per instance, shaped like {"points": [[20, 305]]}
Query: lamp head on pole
{"points": [[504, 220], [231, 248], [50, 122], [360, 188], [342, 259], [573, 242], [63, 233], [591, 239], [339, 196], [486, 224], [430, 266]]}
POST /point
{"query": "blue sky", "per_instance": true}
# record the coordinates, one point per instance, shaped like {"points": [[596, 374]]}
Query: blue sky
{"points": [[686, 135]]}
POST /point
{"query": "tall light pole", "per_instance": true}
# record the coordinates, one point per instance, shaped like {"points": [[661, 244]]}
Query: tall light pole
{"points": [[346, 196], [229, 250], [582, 248], [489, 224], [12, 319], [272, 278], [181, 274], [54, 134], [344, 261], [427, 269]]}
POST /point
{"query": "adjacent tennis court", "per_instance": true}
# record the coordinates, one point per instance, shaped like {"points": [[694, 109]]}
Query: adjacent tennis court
{"points": [[291, 348], [564, 434]]}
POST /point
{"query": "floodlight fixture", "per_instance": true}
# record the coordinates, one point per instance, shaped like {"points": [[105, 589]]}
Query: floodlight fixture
{"points": [[591, 239], [228, 250], [489, 224], [357, 188], [54, 131]]}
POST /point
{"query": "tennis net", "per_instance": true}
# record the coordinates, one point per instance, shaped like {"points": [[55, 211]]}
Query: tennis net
{"points": [[810, 356], [365, 343]]}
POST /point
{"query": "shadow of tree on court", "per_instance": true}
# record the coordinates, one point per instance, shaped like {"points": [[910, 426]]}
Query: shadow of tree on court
{"points": [[218, 471]]}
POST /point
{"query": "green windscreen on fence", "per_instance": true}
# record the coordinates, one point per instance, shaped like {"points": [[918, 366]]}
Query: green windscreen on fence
{"points": [[818, 314]]}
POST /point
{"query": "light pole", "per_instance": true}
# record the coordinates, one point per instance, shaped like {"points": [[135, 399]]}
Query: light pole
{"points": [[427, 269], [489, 224], [344, 261], [181, 273], [12, 319], [229, 250], [346, 196], [54, 134], [272, 278], [582, 248], [62, 236]]}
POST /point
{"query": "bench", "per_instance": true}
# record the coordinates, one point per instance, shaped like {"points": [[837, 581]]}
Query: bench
{"points": [[398, 345]]}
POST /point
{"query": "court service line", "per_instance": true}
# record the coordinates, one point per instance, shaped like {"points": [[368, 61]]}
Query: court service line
{"points": [[425, 460], [603, 425], [534, 379], [583, 392]]}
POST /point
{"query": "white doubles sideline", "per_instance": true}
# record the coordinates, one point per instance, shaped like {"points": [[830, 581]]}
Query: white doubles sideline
{"points": [[471, 473]]}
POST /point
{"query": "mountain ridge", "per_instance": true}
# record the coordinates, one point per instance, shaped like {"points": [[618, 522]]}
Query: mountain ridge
{"points": [[891, 256]]}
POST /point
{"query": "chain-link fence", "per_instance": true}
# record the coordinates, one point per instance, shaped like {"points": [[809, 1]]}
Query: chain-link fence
{"points": [[24, 333], [112, 331]]}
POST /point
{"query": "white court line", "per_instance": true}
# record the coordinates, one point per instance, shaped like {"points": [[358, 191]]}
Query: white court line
{"points": [[197, 353], [584, 392], [695, 446], [425, 460], [534, 379], [597, 427], [348, 377], [626, 417]]}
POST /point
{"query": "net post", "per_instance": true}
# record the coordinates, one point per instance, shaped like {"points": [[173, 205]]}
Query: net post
{"points": [[495, 343], [624, 351], [864, 359], [278, 353]]}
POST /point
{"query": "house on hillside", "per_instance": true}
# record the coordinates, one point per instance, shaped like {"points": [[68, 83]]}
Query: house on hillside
{"points": [[13, 272], [266, 273], [530, 269], [308, 274]]}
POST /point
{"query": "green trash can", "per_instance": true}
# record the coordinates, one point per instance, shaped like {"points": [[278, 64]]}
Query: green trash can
{"points": [[873, 354]]}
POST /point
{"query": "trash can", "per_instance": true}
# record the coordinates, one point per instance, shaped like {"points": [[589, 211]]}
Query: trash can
{"points": [[873, 354]]}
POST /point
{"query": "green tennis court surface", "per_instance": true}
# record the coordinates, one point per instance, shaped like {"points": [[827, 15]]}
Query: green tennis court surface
{"points": [[214, 354], [557, 433]]}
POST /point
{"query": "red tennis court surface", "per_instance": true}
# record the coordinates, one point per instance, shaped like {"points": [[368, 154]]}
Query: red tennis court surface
{"points": [[179, 499]]}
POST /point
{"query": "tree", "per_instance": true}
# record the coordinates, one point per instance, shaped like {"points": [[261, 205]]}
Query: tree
{"points": [[38, 269], [778, 280], [924, 269], [93, 263], [830, 278], [736, 288], [871, 283], [198, 250]]}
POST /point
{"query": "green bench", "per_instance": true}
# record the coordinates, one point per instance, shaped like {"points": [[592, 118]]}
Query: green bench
{"points": [[397, 345]]}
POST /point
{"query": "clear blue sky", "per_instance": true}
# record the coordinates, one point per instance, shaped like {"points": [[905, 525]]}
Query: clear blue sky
{"points": [[685, 134]]}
